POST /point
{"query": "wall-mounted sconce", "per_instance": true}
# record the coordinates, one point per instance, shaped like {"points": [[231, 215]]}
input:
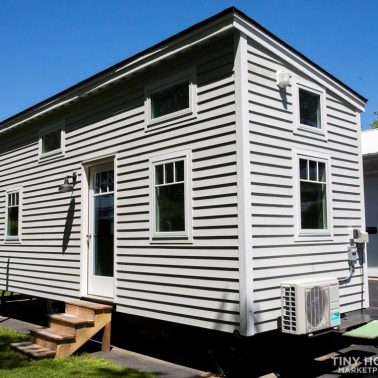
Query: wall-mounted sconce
{"points": [[283, 79], [67, 186]]}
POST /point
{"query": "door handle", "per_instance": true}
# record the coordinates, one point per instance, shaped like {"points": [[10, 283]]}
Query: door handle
{"points": [[89, 236]]}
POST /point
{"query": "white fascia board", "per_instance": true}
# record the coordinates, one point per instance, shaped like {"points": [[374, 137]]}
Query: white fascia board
{"points": [[181, 44], [244, 195], [296, 61]]}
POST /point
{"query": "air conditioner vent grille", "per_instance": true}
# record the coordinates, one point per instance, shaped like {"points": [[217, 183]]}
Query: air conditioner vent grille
{"points": [[289, 316]]}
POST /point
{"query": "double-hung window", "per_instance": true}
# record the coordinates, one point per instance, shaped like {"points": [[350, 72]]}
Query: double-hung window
{"points": [[13, 215], [313, 196], [170, 192]]}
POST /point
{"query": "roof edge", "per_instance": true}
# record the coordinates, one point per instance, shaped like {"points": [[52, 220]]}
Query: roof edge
{"points": [[154, 49], [296, 52], [119, 65]]}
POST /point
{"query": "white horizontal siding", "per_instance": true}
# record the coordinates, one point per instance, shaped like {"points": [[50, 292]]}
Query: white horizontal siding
{"points": [[194, 284], [277, 254]]}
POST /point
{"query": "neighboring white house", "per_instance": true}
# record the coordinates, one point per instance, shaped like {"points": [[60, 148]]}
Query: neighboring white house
{"points": [[207, 170], [369, 142]]}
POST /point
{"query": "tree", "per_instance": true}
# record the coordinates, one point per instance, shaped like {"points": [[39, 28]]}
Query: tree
{"points": [[374, 123]]}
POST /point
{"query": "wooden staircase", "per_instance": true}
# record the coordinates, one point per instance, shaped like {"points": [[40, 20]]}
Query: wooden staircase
{"points": [[68, 331]]}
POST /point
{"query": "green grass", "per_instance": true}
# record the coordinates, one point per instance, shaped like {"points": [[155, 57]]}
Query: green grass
{"points": [[6, 293], [15, 365]]}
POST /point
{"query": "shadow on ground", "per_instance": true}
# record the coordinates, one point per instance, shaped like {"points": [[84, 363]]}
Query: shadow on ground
{"points": [[234, 357]]}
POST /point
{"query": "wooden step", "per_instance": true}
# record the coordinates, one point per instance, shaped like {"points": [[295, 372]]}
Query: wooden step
{"points": [[72, 320], [98, 308], [87, 309], [33, 350], [57, 337]]}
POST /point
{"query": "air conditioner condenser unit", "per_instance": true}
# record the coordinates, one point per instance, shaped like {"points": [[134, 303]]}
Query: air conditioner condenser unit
{"points": [[310, 305]]}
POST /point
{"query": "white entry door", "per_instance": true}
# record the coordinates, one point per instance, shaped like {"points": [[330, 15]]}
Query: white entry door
{"points": [[101, 231]]}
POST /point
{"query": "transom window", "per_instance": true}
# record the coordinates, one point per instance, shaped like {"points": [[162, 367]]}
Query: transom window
{"points": [[309, 108], [170, 99], [169, 188], [13, 215], [313, 194], [104, 182]]}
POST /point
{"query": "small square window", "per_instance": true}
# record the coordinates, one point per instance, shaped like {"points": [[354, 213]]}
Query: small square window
{"points": [[309, 108], [170, 100], [51, 141]]}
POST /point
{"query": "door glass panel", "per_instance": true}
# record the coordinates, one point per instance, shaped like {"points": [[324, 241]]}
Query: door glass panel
{"points": [[103, 235]]}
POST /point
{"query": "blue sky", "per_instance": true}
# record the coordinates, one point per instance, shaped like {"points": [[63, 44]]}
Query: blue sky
{"points": [[47, 45]]}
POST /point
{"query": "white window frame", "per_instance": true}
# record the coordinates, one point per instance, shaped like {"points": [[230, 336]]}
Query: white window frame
{"points": [[315, 234], [299, 127], [13, 239], [180, 115], [48, 130], [176, 236]]}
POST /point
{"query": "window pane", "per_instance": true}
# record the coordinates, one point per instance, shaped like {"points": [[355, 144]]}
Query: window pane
{"points": [[111, 180], [313, 206], [104, 182], [321, 172], [103, 235], [159, 174], [51, 141], [12, 226], [97, 185], [303, 169], [312, 170], [170, 100], [170, 208], [168, 173], [309, 104], [179, 170]]}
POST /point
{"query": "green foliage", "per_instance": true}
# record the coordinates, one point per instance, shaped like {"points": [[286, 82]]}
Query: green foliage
{"points": [[374, 123], [15, 365]]}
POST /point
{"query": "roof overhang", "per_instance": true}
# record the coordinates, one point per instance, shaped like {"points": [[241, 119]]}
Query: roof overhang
{"points": [[229, 19]]}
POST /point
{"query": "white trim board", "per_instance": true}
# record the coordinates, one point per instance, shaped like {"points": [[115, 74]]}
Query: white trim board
{"points": [[244, 187]]}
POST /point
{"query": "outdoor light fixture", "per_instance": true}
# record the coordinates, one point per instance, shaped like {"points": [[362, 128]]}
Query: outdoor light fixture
{"points": [[67, 186], [283, 79]]}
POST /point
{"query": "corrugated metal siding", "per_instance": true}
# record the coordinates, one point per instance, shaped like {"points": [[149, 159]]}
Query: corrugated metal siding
{"points": [[194, 284], [276, 255]]}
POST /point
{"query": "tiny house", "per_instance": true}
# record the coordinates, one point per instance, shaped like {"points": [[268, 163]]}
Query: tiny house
{"points": [[187, 182]]}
